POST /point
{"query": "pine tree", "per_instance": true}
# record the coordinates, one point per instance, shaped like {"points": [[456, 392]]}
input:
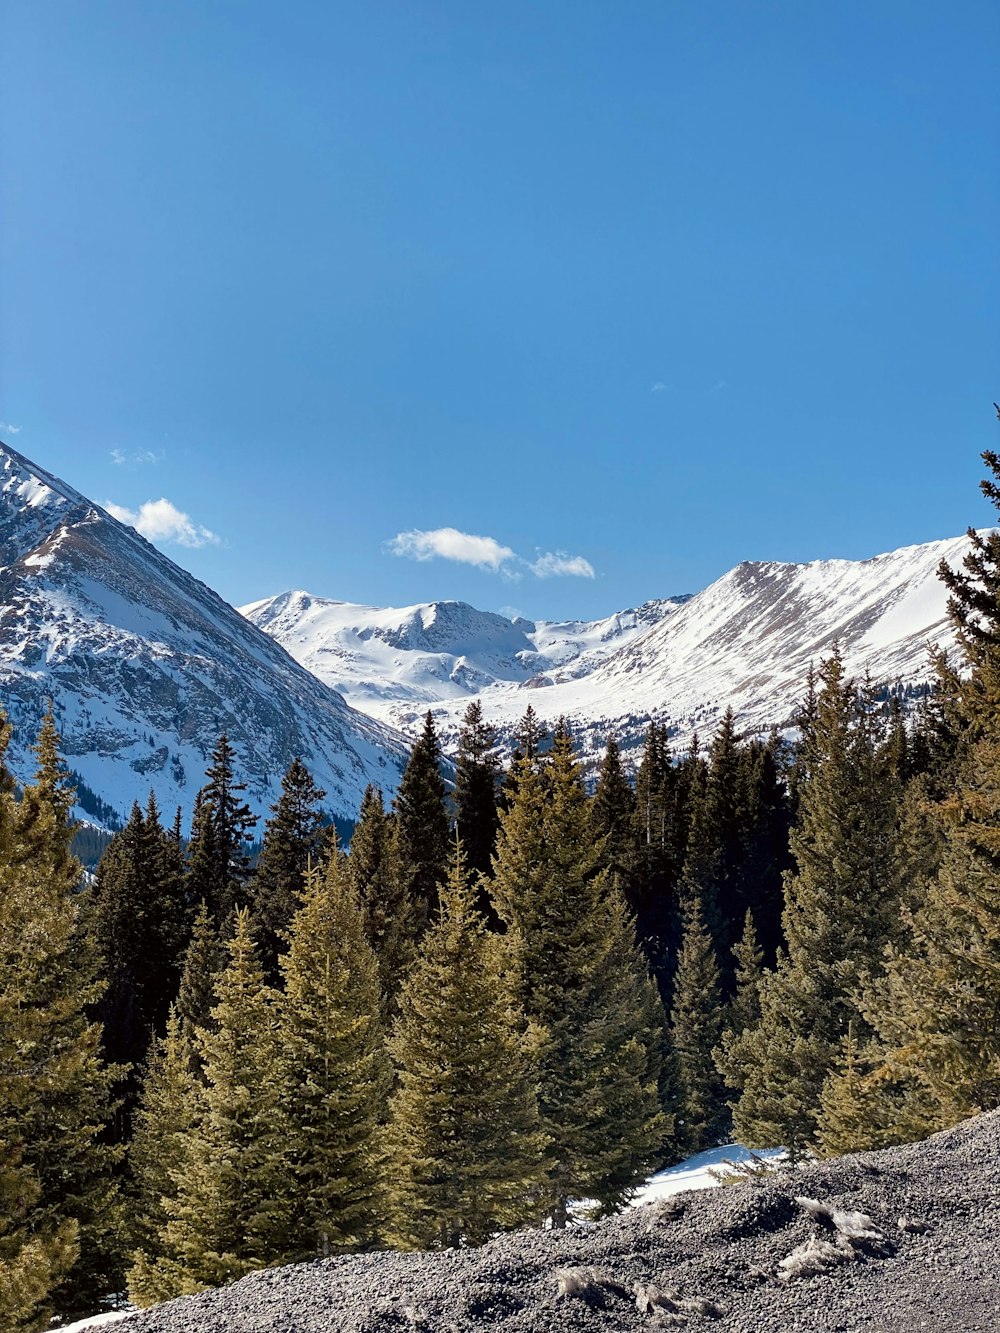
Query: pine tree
{"points": [[378, 884], [743, 1012], [36, 1250], [612, 816], [54, 1086], [334, 1070], [293, 839], [465, 1147], [421, 827], [204, 959], [577, 977], [218, 857], [848, 1114], [167, 1117], [695, 1029], [477, 775], [140, 921], [228, 1212], [842, 907]]}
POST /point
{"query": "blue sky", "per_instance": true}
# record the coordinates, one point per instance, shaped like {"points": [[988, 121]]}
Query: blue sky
{"points": [[631, 290]]}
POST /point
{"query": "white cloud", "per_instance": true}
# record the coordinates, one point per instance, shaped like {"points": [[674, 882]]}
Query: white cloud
{"points": [[486, 553], [8, 428], [552, 563], [660, 387], [450, 544], [161, 521], [120, 457]]}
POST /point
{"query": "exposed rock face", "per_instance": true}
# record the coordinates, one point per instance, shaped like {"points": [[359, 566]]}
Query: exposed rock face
{"points": [[831, 1248], [146, 665]]}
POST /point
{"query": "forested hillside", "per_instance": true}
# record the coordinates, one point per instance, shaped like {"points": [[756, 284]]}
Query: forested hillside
{"points": [[503, 996]]}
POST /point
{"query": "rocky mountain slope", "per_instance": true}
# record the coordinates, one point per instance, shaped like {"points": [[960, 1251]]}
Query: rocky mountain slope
{"points": [[747, 640], [146, 665], [886, 1242]]}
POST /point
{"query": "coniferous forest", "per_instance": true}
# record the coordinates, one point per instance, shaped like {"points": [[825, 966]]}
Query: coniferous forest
{"points": [[512, 990]]}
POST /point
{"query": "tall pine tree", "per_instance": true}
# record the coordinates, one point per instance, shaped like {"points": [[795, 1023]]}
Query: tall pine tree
{"points": [[421, 826], [465, 1147]]}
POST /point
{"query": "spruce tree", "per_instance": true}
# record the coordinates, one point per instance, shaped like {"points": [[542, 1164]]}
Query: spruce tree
{"points": [[848, 1116], [578, 979], [695, 1030], [936, 1014], [612, 815], [54, 1085], [842, 907], [333, 1069], [477, 775], [421, 827], [378, 883], [218, 854], [36, 1249], [204, 959], [228, 1212], [166, 1119], [140, 921], [465, 1146], [293, 839]]}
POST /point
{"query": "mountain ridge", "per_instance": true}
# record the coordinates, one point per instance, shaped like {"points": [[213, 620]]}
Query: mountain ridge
{"points": [[146, 664], [747, 639]]}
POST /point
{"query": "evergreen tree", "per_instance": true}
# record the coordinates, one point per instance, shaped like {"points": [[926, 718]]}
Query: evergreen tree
{"points": [[334, 1070], [379, 886], [54, 1086], [465, 1147], [477, 775], [204, 959], [695, 1029], [743, 1012], [612, 815], [293, 839], [421, 827], [37, 1249], [578, 979], [842, 907], [140, 921], [227, 1214], [218, 856], [165, 1121], [936, 1014]]}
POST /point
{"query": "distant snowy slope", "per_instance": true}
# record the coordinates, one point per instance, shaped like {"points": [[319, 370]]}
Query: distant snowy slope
{"points": [[393, 662], [146, 665], [747, 640]]}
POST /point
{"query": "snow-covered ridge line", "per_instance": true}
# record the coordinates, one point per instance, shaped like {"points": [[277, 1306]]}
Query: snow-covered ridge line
{"points": [[146, 665], [747, 640]]}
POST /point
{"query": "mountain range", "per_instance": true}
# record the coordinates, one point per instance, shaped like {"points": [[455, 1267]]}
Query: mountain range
{"points": [[747, 640], [145, 665]]}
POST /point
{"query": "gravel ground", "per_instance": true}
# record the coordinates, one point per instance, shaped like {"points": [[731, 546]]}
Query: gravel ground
{"points": [[907, 1239]]}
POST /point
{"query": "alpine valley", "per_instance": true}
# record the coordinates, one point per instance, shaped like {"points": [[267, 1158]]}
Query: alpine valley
{"points": [[747, 641], [146, 666]]}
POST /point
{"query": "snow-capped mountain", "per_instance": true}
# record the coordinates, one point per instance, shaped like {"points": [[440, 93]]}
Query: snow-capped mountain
{"points": [[146, 665], [396, 662], [747, 640]]}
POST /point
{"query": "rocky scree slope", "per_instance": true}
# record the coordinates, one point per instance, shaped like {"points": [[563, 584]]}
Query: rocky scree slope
{"points": [[747, 640], [146, 665], [888, 1242]]}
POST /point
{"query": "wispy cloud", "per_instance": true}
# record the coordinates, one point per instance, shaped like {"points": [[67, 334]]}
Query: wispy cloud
{"points": [[720, 386], [552, 564], [8, 428], [450, 544], [136, 459], [660, 387], [161, 521], [485, 553]]}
